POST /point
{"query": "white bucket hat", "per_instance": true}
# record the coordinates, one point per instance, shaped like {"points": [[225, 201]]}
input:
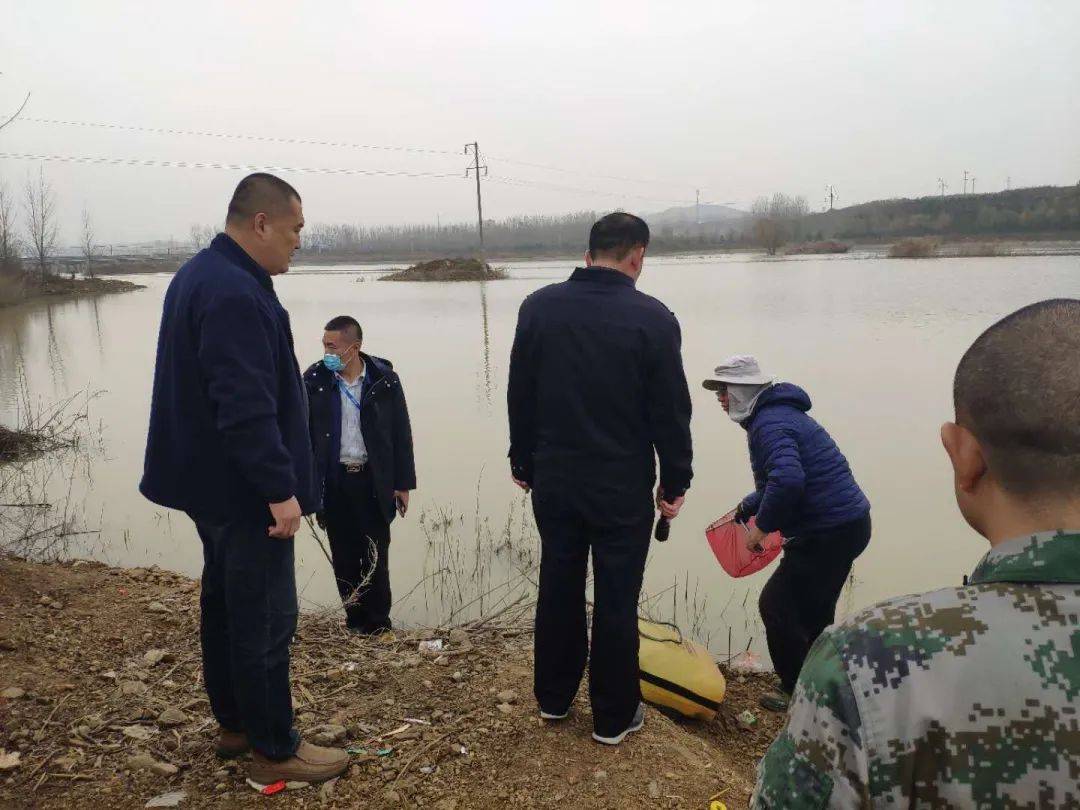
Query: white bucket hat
{"points": [[739, 369]]}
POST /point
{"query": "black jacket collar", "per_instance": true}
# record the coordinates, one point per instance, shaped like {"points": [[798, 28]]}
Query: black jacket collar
{"points": [[377, 368], [602, 275], [225, 244]]}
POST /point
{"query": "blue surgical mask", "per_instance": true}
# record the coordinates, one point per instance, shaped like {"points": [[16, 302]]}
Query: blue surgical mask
{"points": [[333, 362]]}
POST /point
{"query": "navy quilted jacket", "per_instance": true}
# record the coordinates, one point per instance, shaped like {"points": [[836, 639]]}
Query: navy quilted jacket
{"points": [[804, 483]]}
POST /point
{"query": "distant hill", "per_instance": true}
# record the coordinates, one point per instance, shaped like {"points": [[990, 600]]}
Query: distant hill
{"points": [[688, 215], [1041, 210]]}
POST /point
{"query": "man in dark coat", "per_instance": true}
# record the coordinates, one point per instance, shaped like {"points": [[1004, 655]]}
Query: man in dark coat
{"points": [[805, 490], [364, 465], [596, 392], [228, 444]]}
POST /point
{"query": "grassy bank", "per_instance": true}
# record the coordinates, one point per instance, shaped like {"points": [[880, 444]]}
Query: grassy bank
{"points": [[18, 289], [103, 706]]}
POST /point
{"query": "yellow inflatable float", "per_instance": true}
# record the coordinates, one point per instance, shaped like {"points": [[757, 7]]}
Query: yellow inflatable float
{"points": [[677, 673]]}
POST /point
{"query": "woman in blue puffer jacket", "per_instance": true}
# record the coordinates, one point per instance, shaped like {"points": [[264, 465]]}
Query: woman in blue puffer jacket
{"points": [[804, 490]]}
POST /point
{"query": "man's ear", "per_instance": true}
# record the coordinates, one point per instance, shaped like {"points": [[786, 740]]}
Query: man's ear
{"points": [[260, 223], [966, 455], [588, 259]]}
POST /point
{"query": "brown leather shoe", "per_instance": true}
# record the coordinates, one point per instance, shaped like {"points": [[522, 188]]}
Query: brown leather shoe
{"points": [[231, 744], [310, 763]]}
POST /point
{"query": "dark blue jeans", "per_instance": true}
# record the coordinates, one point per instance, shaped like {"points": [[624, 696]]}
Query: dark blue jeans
{"points": [[249, 611]]}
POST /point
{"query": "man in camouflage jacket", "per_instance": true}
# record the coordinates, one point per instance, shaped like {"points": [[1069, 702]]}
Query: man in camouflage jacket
{"points": [[967, 696]]}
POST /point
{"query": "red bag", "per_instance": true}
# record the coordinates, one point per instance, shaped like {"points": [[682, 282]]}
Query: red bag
{"points": [[727, 539]]}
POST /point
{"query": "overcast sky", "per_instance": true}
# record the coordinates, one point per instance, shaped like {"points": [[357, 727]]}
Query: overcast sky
{"points": [[638, 103]]}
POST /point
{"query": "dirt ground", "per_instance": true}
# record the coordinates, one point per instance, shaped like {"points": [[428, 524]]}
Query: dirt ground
{"points": [[447, 270], [102, 706]]}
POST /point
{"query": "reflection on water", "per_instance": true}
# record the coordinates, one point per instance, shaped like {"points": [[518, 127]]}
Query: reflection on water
{"points": [[488, 388], [875, 343]]}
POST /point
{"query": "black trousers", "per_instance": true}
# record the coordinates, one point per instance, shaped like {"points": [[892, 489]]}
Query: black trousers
{"points": [[561, 641], [360, 547], [799, 600], [248, 618]]}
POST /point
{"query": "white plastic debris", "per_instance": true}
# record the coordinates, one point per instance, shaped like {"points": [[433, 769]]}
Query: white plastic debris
{"points": [[171, 799], [747, 662]]}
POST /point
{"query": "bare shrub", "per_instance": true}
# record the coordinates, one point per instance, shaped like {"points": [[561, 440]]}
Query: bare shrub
{"points": [[828, 246], [921, 248], [975, 249]]}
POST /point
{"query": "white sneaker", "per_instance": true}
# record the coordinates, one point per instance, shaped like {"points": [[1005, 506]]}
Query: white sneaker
{"points": [[635, 725], [549, 716]]}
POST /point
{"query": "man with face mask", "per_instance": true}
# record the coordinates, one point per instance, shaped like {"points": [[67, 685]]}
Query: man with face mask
{"points": [[362, 440], [806, 491]]}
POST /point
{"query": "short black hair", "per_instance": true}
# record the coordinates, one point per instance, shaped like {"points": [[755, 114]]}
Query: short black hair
{"points": [[343, 323], [1018, 390], [616, 234], [260, 193]]}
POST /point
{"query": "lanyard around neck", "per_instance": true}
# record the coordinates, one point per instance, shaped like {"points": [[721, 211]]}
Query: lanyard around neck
{"points": [[345, 390]]}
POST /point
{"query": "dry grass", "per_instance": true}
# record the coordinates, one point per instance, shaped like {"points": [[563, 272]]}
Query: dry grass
{"points": [[977, 249], [828, 246], [920, 248]]}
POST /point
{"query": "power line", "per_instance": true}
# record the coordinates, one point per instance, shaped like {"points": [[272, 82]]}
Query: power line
{"points": [[320, 170], [235, 136], [190, 164], [333, 144]]}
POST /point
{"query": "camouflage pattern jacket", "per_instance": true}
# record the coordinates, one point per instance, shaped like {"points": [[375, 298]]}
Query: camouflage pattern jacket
{"points": [[963, 697]]}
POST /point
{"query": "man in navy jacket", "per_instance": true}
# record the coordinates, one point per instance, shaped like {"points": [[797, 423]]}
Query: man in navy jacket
{"points": [[596, 393], [228, 444]]}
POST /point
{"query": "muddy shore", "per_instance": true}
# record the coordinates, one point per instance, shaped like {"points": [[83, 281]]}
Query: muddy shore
{"points": [[102, 705]]}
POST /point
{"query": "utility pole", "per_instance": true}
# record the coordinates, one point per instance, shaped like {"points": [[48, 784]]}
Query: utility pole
{"points": [[830, 195], [475, 168], [697, 205], [965, 180], [972, 185], [942, 185], [1008, 183]]}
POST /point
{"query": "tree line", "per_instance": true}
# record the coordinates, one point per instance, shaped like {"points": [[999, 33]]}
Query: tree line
{"points": [[29, 227], [35, 238]]}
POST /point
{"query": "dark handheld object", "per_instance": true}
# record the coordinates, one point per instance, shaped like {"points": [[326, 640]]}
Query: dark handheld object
{"points": [[663, 529]]}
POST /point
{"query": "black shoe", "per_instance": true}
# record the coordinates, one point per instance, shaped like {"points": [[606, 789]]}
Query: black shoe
{"points": [[371, 630], [635, 725]]}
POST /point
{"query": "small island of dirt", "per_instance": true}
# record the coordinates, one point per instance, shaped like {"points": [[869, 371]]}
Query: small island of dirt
{"points": [[448, 270], [18, 289]]}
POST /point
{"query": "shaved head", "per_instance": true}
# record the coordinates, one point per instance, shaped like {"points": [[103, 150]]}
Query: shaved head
{"points": [[1017, 389], [347, 325], [261, 193]]}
